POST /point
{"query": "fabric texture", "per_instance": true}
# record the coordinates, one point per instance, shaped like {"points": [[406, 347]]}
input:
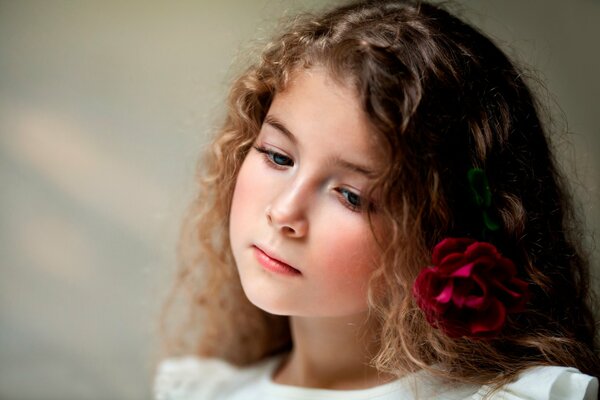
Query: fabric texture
{"points": [[192, 378]]}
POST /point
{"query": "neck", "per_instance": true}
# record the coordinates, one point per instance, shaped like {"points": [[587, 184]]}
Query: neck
{"points": [[330, 353]]}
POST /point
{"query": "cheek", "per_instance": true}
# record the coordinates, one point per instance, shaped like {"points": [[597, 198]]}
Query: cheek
{"points": [[347, 262]]}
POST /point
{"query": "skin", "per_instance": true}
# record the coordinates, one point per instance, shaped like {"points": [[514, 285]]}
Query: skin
{"points": [[296, 204]]}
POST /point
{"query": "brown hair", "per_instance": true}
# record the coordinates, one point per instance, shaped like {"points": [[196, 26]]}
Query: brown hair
{"points": [[442, 98]]}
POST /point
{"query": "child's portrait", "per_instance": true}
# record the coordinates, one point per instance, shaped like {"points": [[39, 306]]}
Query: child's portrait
{"points": [[353, 199], [381, 215]]}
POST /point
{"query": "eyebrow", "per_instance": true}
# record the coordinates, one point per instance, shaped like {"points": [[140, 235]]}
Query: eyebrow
{"points": [[336, 160]]}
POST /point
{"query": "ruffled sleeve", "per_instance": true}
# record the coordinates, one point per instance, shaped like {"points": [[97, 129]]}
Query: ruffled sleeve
{"points": [[547, 383], [190, 377]]}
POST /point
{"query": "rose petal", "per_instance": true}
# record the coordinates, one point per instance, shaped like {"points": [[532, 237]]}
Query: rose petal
{"points": [[477, 301], [448, 246], [514, 294], [463, 272], [489, 321], [422, 287], [451, 262], [446, 294], [467, 292], [481, 249]]}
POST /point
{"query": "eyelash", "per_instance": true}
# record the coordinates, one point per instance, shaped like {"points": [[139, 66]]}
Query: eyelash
{"points": [[269, 157], [347, 203]]}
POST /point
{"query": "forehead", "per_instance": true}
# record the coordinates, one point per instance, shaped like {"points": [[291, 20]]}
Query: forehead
{"points": [[319, 109]]}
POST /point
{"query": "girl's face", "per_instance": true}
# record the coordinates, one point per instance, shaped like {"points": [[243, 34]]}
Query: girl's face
{"points": [[299, 199]]}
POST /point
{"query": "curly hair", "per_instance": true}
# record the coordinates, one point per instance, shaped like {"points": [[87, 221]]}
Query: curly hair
{"points": [[442, 98]]}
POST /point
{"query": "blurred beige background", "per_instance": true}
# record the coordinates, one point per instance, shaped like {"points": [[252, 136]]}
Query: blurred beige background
{"points": [[104, 108]]}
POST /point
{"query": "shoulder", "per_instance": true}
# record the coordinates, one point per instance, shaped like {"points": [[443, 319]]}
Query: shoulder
{"points": [[544, 383], [201, 378]]}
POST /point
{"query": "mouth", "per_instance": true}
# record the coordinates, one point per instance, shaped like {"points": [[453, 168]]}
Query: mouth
{"points": [[273, 264]]}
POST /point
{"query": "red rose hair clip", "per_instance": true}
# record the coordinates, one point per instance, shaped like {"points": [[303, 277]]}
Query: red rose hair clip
{"points": [[471, 287]]}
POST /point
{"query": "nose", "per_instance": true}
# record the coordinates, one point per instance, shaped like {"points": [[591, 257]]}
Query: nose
{"points": [[287, 213]]}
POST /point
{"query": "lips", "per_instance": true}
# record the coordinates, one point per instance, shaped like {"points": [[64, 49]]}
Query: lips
{"points": [[272, 262]]}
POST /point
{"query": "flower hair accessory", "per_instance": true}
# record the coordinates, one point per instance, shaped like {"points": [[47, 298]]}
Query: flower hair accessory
{"points": [[471, 287]]}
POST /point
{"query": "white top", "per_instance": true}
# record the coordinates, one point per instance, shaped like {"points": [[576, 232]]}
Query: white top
{"points": [[192, 378]]}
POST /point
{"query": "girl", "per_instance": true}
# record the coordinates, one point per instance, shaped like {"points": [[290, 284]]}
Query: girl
{"points": [[381, 217]]}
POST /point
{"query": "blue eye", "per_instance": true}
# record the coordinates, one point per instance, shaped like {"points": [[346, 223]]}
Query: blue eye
{"points": [[280, 159], [274, 158], [351, 200]]}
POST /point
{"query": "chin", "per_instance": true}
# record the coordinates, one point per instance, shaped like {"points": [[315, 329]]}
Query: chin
{"points": [[267, 303]]}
